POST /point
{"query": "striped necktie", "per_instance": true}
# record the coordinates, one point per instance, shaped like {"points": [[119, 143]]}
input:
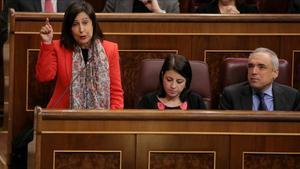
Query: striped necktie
{"points": [[262, 105]]}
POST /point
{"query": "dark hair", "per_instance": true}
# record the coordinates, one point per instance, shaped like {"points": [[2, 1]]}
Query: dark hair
{"points": [[67, 40], [179, 64]]}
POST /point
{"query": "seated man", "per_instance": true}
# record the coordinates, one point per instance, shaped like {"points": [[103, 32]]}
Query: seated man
{"points": [[260, 92], [156, 6]]}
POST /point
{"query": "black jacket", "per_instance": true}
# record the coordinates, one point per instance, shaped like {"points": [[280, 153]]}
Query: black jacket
{"points": [[239, 97]]}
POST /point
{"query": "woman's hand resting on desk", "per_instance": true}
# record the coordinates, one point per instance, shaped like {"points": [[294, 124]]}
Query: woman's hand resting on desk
{"points": [[153, 6], [46, 32]]}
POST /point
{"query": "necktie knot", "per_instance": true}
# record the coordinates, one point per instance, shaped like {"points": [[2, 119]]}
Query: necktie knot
{"points": [[262, 104], [260, 95]]}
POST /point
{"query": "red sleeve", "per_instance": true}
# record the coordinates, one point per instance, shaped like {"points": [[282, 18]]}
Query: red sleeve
{"points": [[116, 91], [46, 66]]}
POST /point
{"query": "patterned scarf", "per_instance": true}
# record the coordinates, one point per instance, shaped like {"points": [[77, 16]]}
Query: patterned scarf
{"points": [[90, 87]]}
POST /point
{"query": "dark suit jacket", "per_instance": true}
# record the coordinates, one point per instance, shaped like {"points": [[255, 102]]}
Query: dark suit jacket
{"points": [[35, 5], [214, 9], [294, 6], [239, 97], [126, 6]]}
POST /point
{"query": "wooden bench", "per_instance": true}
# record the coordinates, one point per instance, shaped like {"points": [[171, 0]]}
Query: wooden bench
{"points": [[148, 139]]}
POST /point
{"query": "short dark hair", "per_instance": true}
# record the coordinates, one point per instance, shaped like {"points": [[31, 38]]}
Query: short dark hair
{"points": [[67, 40], [179, 64]]}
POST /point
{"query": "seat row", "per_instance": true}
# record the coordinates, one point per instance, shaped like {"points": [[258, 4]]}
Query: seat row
{"points": [[234, 70]]}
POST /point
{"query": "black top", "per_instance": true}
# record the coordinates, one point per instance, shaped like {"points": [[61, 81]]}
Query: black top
{"points": [[214, 8], [139, 6], [85, 54], [193, 99]]}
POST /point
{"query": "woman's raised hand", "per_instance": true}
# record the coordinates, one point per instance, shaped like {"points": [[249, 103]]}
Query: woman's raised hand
{"points": [[46, 32]]}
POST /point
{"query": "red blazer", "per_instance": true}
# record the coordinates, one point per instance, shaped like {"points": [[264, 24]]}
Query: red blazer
{"points": [[55, 61]]}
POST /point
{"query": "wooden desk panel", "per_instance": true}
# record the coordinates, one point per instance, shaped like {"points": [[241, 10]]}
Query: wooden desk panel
{"points": [[161, 139], [213, 150], [94, 150], [265, 150]]}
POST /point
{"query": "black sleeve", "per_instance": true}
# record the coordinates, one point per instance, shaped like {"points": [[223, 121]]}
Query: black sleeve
{"points": [[195, 101], [143, 103], [149, 101], [225, 101], [297, 102], [201, 103]]}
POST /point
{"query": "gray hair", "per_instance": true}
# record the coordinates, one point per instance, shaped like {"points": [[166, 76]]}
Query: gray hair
{"points": [[272, 54]]}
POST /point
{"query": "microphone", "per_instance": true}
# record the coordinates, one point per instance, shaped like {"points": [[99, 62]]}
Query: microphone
{"points": [[71, 83]]}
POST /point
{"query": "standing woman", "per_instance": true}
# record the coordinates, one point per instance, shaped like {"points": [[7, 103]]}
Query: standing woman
{"points": [[174, 82], [85, 66]]}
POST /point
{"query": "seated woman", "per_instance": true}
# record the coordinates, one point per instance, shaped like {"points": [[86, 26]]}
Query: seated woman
{"points": [[85, 66], [227, 7], [175, 78]]}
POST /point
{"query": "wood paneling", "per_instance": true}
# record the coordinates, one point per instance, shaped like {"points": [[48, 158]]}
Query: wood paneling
{"points": [[210, 150], [265, 151], [161, 139], [184, 159], [93, 149], [271, 160], [87, 159], [199, 37]]}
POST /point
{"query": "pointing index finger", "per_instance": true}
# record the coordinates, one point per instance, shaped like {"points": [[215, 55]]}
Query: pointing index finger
{"points": [[47, 21]]}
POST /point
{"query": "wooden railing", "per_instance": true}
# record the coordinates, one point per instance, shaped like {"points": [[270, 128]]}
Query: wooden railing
{"points": [[145, 139]]}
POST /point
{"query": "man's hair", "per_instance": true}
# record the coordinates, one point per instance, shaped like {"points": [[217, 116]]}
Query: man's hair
{"points": [[272, 54]]}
